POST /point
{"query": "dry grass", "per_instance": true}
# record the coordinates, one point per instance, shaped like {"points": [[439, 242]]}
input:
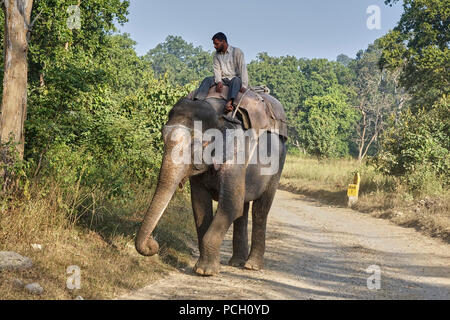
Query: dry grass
{"points": [[381, 196], [99, 238]]}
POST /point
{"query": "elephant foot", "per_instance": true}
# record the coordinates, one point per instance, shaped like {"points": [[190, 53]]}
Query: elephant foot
{"points": [[254, 264], [206, 268], [236, 262]]}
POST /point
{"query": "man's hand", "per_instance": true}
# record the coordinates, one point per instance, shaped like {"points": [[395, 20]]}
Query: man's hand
{"points": [[229, 107], [243, 90], [219, 87]]}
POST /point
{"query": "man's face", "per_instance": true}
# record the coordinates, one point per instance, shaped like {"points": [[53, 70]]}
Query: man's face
{"points": [[219, 45]]}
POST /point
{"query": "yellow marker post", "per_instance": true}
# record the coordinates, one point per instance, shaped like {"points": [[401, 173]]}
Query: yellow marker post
{"points": [[353, 190]]}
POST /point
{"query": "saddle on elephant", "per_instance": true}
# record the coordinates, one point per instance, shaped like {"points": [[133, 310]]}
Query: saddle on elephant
{"points": [[257, 109]]}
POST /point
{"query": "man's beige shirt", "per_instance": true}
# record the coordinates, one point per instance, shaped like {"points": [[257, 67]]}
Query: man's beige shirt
{"points": [[226, 67]]}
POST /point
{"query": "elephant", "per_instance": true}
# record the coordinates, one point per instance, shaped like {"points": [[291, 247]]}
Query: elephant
{"points": [[232, 185]]}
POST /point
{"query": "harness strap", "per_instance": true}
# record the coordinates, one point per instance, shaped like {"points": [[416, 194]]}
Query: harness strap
{"points": [[240, 101]]}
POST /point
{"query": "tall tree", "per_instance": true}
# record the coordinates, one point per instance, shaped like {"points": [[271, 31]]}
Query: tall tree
{"points": [[17, 14], [326, 124], [182, 62], [39, 39], [419, 45], [417, 146], [344, 60], [379, 95]]}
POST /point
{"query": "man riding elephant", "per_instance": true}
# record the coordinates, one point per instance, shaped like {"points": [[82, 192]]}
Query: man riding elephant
{"points": [[232, 174], [229, 69]]}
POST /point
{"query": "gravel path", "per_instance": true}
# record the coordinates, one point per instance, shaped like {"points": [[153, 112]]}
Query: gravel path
{"points": [[320, 252]]}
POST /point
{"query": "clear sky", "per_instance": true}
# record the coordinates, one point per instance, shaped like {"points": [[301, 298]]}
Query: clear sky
{"points": [[303, 28]]}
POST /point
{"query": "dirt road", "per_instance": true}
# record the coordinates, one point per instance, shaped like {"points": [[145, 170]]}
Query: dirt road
{"points": [[319, 252]]}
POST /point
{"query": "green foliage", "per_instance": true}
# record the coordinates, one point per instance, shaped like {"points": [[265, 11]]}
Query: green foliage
{"points": [[124, 69], [293, 81], [282, 75], [53, 41], [94, 110], [327, 124], [182, 62], [100, 120], [419, 44], [418, 147], [344, 60], [14, 170]]}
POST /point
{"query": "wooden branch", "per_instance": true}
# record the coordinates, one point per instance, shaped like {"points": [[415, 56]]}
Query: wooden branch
{"points": [[363, 136], [368, 145], [34, 20], [30, 26]]}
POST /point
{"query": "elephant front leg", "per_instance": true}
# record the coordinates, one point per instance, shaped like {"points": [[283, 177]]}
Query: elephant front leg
{"points": [[230, 207], [240, 239], [202, 206], [209, 262]]}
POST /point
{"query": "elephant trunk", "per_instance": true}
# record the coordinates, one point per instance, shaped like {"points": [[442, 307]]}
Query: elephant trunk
{"points": [[170, 176]]}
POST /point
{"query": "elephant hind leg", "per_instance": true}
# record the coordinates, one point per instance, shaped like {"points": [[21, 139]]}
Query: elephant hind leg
{"points": [[240, 239], [260, 211]]}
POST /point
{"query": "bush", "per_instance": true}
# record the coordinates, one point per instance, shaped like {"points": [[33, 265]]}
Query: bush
{"points": [[327, 124], [84, 129], [417, 148]]}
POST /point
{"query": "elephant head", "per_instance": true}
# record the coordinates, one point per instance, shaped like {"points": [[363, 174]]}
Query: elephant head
{"points": [[177, 133]]}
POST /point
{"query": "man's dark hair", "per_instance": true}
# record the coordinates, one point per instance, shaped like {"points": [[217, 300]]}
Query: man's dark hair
{"points": [[220, 36]]}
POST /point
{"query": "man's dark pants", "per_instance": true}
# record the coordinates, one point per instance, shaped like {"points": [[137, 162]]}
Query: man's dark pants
{"points": [[234, 85]]}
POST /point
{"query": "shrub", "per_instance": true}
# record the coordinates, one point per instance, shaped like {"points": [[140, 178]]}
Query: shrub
{"points": [[417, 148]]}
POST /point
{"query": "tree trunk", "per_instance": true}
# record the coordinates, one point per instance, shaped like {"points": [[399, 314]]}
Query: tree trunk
{"points": [[14, 100], [363, 136]]}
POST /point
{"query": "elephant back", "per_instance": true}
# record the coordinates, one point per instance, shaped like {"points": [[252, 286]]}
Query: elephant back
{"points": [[259, 110]]}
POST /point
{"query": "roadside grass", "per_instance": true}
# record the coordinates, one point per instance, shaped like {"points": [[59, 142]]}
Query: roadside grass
{"points": [[97, 235], [381, 196]]}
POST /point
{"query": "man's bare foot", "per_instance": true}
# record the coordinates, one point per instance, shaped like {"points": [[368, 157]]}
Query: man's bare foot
{"points": [[229, 106]]}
